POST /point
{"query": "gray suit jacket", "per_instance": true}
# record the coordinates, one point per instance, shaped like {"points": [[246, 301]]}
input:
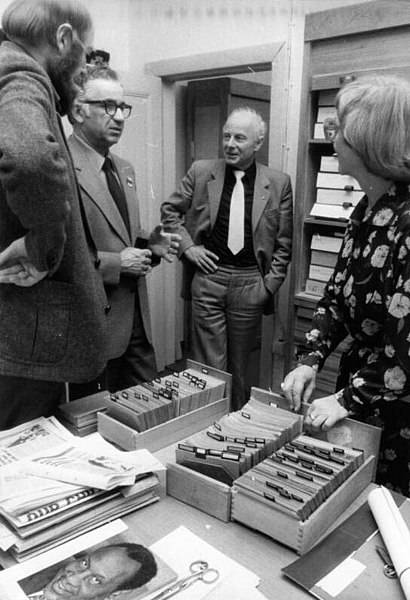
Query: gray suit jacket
{"points": [[56, 329], [111, 236], [192, 210]]}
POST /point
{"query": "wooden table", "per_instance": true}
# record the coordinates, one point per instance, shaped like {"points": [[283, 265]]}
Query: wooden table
{"points": [[255, 551]]}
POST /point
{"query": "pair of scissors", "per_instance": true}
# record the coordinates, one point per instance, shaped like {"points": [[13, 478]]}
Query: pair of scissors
{"points": [[388, 568], [200, 571]]}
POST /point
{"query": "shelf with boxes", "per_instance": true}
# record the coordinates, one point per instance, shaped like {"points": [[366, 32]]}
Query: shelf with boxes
{"points": [[328, 199], [173, 441], [339, 45]]}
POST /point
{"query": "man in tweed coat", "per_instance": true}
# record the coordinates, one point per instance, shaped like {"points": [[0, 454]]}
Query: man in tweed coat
{"points": [[52, 302]]}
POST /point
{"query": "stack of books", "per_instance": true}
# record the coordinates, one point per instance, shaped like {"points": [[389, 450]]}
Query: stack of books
{"points": [[80, 416], [324, 250], [55, 486]]}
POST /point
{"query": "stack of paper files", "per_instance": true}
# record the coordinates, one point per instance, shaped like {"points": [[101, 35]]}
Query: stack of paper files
{"points": [[80, 416], [336, 195], [238, 441], [323, 257], [149, 403], [154, 402], [54, 485], [297, 478]]}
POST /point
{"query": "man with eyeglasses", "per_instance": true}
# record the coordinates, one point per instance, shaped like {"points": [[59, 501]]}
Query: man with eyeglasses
{"points": [[126, 252], [52, 303]]}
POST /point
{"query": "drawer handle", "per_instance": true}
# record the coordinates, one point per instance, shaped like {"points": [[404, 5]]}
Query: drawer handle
{"points": [[347, 205], [348, 188], [346, 79]]}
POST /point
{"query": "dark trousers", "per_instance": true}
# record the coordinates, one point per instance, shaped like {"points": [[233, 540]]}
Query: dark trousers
{"points": [[227, 308], [137, 364], [22, 399]]}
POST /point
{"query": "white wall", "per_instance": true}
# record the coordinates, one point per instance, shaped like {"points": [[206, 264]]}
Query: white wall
{"points": [[139, 31], [136, 32]]}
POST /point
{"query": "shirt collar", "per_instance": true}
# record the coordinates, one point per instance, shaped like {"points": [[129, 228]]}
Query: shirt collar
{"points": [[95, 157], [250, 172]]}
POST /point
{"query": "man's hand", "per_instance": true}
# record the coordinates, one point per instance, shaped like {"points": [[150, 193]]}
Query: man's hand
{"points": [[325, 412], [135, 261], [164, 245], [298, 386], [16, 268], [204, 259]]}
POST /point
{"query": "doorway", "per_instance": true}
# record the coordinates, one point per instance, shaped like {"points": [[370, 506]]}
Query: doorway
{"points": [[206, 105], [271, 62]]}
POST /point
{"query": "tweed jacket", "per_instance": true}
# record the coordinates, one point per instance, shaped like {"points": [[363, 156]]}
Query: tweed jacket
{"points": [[111, 236], [56, 329], [192, 210]]}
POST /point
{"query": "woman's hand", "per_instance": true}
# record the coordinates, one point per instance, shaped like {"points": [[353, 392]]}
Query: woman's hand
{"points": [[325, 412], [298, 385]]}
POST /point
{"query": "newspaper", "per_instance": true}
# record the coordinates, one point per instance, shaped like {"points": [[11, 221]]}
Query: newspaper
{"points": [[42, 462], [73, 465]]}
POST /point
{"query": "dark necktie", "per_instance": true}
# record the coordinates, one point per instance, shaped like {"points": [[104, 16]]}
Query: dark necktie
{"points": [[116, 192]]}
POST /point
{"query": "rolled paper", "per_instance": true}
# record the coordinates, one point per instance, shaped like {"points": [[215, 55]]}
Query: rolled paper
{"points": [[395, 533]]}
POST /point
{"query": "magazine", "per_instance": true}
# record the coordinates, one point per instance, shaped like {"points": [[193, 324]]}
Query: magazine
{"points": [[52, 481]]}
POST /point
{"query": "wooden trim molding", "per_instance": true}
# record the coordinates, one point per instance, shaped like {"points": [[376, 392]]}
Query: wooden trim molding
{"points": [[212, 64], [333, 80], [358, 18]]}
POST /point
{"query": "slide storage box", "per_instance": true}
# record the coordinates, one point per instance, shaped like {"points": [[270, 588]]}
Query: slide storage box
{"points": [[302, 535], [120, 425], [223, 501]]}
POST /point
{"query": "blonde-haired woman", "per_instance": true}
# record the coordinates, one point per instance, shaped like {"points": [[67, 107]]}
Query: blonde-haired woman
{"points": [[368, 295]]}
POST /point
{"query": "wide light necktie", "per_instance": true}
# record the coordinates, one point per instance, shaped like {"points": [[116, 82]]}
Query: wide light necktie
{"points": [[236, 234], [116, 191]]}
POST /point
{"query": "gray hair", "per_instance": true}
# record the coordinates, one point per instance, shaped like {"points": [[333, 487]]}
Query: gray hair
{"points": [[260, 124]]}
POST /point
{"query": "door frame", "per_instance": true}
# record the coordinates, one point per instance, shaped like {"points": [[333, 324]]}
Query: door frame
{"points": [[274, 57]]}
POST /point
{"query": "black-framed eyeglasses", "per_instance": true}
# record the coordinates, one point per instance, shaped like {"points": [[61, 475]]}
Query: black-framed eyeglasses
{"points": [[111, 107]]}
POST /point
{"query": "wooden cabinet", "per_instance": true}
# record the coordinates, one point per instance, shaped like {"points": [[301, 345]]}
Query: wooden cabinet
{"points": [[373, 37]]}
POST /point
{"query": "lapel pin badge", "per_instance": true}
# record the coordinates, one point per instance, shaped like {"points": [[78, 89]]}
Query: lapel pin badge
{"points": [[130, 181]]}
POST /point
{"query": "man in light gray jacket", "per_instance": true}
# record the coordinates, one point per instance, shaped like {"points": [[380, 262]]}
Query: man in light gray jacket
{"points": [[126, 252]]}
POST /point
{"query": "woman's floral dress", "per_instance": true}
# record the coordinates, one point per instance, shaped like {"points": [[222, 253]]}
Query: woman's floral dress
{"points": [[368, 297]]}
